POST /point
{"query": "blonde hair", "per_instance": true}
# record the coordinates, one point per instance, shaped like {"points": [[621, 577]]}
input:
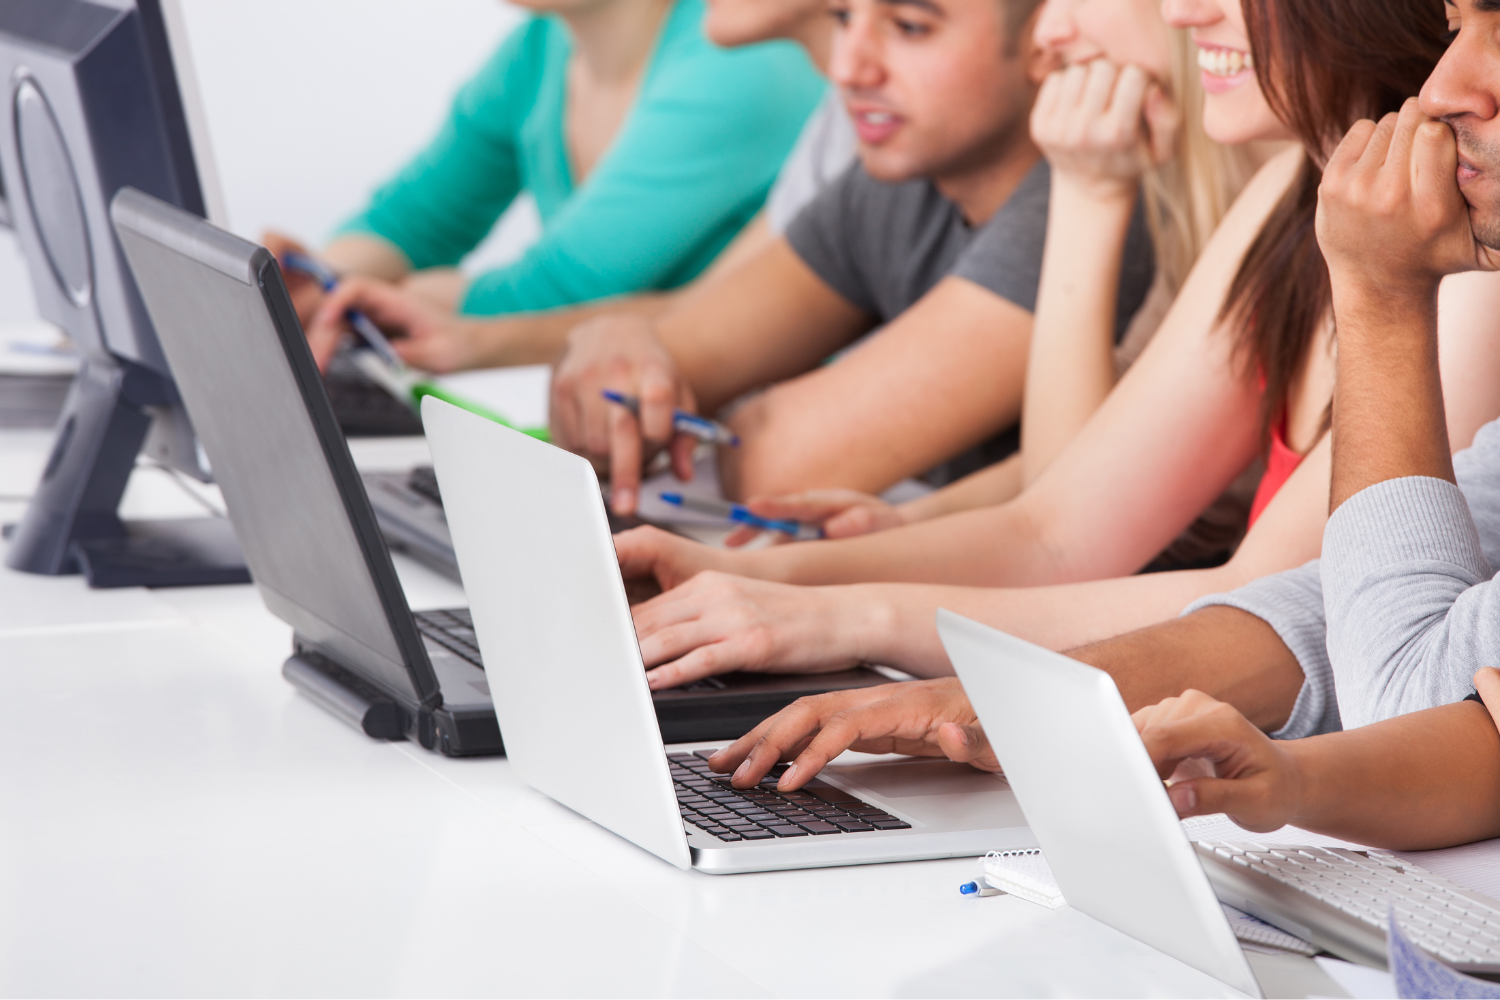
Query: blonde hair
{"points": [[1187, 196]]}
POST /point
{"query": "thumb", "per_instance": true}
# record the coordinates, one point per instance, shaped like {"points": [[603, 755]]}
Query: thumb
{"points": [[967, 744], [1434, 167], [1243, 799]]}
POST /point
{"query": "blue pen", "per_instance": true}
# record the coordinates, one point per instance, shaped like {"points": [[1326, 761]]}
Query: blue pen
{"points": [[368, 331], [738, 513], [710, 431]]}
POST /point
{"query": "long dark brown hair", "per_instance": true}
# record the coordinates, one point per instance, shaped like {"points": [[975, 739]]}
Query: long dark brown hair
{"points": [[1322, 65]]}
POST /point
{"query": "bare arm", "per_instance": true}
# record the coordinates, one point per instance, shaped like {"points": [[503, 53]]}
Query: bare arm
{"points": [[1099, 127], [770, 319], [1415, 782], [938, 379]]}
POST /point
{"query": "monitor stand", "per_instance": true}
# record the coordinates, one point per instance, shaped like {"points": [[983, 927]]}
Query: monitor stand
{"points": [[72, 524]]}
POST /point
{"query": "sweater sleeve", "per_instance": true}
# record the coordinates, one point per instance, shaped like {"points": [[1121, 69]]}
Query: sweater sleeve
{"points": [[448, 197], [1291, 602], [689, 168], [1412, 612]]}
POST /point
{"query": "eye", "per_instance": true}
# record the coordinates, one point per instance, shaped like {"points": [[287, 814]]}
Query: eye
{"points": [[910, 29], [840, 15]]}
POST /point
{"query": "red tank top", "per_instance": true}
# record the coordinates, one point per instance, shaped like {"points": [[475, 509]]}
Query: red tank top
{"points": [[1281, 462]]}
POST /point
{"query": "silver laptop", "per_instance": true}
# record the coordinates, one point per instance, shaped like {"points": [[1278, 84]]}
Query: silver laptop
{"points": [[1098, 808], [560, 650]]}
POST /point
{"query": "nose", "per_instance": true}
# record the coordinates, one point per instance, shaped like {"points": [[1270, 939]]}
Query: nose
{"points": [[1056, 24], [1191, 13], [1464, 82], [856, 61]]}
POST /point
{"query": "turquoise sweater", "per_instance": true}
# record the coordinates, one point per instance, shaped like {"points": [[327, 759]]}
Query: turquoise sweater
{"points": [[690, 165]]}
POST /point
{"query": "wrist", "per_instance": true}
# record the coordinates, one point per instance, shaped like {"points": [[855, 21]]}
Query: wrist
{"points": [[1304, 784], [865, 623], [1095, 193], [1363, 304]]}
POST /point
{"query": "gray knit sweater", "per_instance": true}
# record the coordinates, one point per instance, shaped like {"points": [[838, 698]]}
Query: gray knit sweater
{"points": [[1401, 610]]}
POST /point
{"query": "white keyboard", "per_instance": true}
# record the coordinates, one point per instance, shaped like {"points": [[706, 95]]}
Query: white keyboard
{"points": [[1340, 899]]}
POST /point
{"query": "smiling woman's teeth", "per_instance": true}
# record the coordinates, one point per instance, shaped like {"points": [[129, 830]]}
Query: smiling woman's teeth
{"points": [[876, 117], [1223, 62]]}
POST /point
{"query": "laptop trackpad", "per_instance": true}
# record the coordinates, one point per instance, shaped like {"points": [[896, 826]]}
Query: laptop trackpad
{"points": [[939, 794], [907, 778]]}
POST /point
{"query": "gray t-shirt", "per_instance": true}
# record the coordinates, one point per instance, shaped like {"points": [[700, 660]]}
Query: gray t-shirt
{"points": [[823, 152], [883, 246]]}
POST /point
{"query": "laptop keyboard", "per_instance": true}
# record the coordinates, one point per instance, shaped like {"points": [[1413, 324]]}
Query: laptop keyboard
{"points": [[453, 630], [423, 482], [708, 802], [1436, 915]]}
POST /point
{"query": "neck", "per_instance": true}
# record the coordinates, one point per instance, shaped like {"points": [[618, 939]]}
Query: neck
{"points": [[613, 39], [980, 189]]}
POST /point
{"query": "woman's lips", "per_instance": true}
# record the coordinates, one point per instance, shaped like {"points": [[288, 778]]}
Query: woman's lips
{"points": [[1224, 69], [875, 126]]}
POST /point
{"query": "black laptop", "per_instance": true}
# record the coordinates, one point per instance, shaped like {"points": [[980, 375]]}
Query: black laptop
{"points": [[305, 522]]}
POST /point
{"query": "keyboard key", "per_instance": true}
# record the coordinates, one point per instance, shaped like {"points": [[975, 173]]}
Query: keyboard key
{"points": [[757, 835], [853, 826], [890, 824], [729, 835], [787, 830], [817, 827]]}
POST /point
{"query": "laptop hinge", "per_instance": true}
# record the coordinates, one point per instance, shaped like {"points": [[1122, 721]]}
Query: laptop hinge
{"points": [[346, 695]]}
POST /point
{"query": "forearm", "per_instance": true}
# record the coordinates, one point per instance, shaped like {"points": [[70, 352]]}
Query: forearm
{"points": [[1071, 365], [1388, 419], [540, 338], [895, 623], [1224, 652], [996, 484], [367, 255], [1416, 782]]}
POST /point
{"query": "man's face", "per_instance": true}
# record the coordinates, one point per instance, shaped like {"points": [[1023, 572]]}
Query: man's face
{"points": [[1464, 91], [935, 87]]}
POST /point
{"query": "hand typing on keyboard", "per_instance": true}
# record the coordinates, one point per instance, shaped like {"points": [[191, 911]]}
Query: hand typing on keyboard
{"points": [[1217, 762], [930, 718]]}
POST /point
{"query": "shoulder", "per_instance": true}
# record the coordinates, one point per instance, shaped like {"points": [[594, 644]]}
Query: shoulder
{"points": [[688, 66], [514, 72]]}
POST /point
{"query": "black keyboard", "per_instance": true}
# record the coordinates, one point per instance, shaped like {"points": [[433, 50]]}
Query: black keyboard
{"points": [[708, 802], [423, 482], [364, 409], [453, 630]]}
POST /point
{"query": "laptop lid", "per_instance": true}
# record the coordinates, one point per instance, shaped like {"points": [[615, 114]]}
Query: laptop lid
{"points": [[538, 563], [1092, 796], [251, 387]]}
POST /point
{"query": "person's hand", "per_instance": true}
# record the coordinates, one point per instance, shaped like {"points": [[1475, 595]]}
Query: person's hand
{"points": [[717, 622], [837, 513], [671, 560], [620, 353], [1391, 217], [1216, 761], [443, 287], [1101, 127], [426, 336], [306, 293], [930, 718]]}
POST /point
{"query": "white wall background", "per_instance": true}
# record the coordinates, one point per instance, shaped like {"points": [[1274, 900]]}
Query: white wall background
{"points": [[310, 103]]}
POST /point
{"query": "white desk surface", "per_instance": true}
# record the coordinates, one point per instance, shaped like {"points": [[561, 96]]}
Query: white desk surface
{"points": [[175, 820]]}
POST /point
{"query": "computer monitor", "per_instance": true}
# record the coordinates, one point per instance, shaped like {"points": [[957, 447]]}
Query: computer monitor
{"points": [[92, 104]]}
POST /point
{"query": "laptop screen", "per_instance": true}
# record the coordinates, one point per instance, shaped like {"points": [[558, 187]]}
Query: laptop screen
{"points": [[243, 367]]}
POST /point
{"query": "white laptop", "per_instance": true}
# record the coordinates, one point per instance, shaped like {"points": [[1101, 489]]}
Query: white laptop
{"points": [[1099, 810], [559, 647]]}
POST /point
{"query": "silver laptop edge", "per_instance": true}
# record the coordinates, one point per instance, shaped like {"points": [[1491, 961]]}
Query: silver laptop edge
{"points": [[1098, 809], [560, 649]]}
